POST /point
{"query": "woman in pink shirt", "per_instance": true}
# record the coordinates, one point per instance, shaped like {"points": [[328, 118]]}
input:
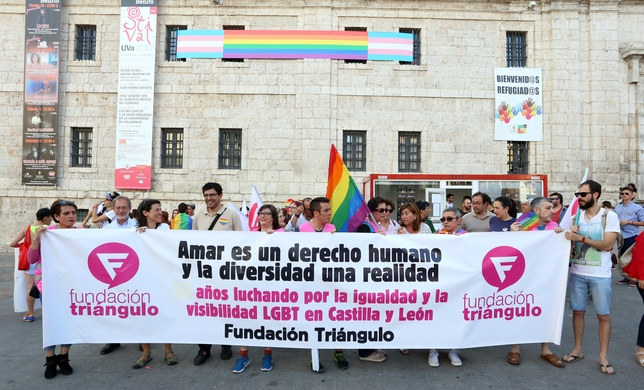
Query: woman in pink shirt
{"points": [[64, 214]]}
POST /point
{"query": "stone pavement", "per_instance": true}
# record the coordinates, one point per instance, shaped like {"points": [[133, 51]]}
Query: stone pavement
{"points": [[22, 359]]}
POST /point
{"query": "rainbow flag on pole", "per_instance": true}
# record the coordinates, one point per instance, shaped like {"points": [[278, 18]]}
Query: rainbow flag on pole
{"points": [[348, 208]]}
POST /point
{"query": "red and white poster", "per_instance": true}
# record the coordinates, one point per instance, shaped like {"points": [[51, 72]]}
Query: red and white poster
{"points": [[135, 106]]}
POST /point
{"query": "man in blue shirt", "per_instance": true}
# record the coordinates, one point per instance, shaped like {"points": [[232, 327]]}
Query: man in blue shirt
{"points": [[631, 217], [122, 207]]}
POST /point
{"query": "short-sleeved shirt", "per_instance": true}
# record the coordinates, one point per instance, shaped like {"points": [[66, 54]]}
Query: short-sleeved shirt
{"points": [[632, 212], [589, 261], [472, 222], [424, 229], [131, 223], [228, 221], [496, 225]]}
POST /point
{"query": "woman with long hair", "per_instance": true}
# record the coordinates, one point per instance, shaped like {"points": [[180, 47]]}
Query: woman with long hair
{"points": [[411, 223], [268, 223], [63, 213], [505, 211], [150, 216]]}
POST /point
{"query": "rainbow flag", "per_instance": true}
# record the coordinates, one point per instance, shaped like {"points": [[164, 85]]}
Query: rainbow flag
{"points": [[295, 44], [181, 221], [348, 208]]}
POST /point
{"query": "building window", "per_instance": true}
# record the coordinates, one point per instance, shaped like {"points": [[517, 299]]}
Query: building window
{"points": [[355, 29], [171, 43], [81, 147], [233, 59], [518, 156], [81, 214], [416, 33], [85, 43], [515, 49], [354, 145], [230, 146], [408, 152], [172, 148]]}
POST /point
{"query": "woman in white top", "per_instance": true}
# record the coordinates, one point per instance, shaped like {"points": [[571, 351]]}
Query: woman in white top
{"points": [[411, 222], [151, 217]]}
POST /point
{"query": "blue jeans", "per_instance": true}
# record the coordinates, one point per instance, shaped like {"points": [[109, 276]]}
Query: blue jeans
{"points": [[600, 288]]}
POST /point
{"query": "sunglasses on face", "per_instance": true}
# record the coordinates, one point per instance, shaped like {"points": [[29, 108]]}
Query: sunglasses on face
{"points": [[448, 219], [384, 210], [582, 194], [624, 193]]}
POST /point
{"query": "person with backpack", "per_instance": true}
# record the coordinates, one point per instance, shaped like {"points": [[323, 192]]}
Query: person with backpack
{"points": [[23, 240]]}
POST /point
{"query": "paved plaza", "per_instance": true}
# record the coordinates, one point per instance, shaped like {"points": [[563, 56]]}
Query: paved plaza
{"points": [[22, 359]]}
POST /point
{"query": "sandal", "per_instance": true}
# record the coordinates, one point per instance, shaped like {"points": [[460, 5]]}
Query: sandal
{"points": [[605, 367], [171, 358], [404, 351], [143, 360], [514, 358], [27, 318], [554, 360], [640, 359], [570, 358]]}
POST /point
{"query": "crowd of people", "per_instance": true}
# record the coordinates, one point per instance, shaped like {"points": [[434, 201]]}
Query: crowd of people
{"points": [[593, 236]]}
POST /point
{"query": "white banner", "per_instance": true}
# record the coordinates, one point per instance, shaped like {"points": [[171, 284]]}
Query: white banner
{"points": [[302, 290], [135, 105], [519, 104], [20, 287]]}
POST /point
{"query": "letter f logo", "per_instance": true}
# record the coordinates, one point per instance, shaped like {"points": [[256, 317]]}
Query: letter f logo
{"points": [[113, 263], [503, 266]]}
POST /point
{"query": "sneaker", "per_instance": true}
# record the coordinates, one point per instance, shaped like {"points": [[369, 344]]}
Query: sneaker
{"points": [[453, 357], [267, 363], [242, 363], [623, 281], [631, 284], [433, 358], [374, 357], [340, 361]]}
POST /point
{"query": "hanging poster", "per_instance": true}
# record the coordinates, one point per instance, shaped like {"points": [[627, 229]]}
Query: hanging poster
{"points": [[135, 104], [40, 105], [518, 105]]}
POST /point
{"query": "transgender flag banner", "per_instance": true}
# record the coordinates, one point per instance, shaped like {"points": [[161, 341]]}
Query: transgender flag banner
{"points": [[295, 44]]}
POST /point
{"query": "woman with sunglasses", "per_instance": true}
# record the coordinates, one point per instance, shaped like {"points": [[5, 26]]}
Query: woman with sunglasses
{"points": [[505, 211], [268, 223], [382, 213], [64, 214], [150, 216]]}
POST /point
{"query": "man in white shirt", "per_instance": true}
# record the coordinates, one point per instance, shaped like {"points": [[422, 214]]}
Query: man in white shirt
{"points": [[594, 236], [122, 208]]}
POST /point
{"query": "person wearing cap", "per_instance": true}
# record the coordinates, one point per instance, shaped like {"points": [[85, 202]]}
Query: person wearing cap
{"points": [[43, 218], [102, 213], [190, 209]]}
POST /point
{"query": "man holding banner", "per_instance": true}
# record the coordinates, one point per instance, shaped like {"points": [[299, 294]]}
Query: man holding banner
{"points": [[215, 217], [594, 236]]}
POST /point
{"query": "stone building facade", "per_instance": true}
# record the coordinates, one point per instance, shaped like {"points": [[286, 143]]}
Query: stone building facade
{"points": [[291, 111]]}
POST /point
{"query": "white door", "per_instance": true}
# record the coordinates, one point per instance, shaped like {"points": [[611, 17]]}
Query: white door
{"points": [[436, 198]]}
